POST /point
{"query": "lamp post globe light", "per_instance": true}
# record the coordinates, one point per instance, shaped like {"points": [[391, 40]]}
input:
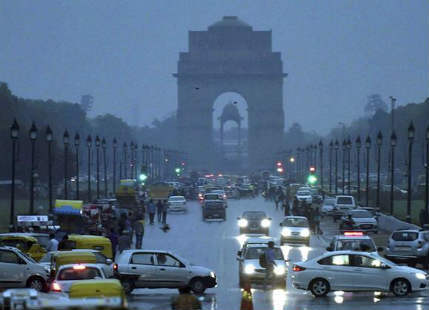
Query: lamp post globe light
{"points": [[367, 147], [76, 147], [115, 146], [49, 138], [358, 144], [103, 147], [411, 134], [66, 140], [14, 135], [393, 142], [33, 137], [97, 162], [337, 146], [379, 142], [89, 146]]}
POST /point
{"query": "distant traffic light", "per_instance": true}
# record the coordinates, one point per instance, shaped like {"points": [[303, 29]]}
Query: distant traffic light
{"points": [[178, 171], [143, 174], [311, 179], [279, 164], [280, 169], [312, 169]]}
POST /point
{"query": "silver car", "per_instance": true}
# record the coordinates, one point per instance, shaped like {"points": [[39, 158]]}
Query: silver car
{"points": [[409, 246], [295, 229], [19, 270]]}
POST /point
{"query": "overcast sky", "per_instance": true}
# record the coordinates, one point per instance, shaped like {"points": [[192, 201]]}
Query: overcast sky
{"points": [[124, 52]]}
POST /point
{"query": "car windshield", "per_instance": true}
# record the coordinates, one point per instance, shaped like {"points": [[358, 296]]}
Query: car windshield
{"points": [[344, 200], [87, 273], [364, 245], [254, 253], [404, 236], [211, 197], [254, 215], [295, 222], [361, 214], [17, 243], [303, 193]]}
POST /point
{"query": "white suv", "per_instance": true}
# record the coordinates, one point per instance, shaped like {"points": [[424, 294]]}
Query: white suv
{"points": [[19, 270], [161, 269]]}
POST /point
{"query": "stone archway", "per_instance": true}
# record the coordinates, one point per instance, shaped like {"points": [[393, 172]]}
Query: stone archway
{"points": [[230, 57]]}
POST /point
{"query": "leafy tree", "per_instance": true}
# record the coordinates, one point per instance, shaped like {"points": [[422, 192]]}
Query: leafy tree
{"points": [[374, 104]]}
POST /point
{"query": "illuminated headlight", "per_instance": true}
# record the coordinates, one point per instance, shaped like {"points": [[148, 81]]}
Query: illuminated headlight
{"points": [[279, 270], [305, 232], [286, 232], [420, 276], [212, 274], [249, 269], [242, 223], [265, 223]]}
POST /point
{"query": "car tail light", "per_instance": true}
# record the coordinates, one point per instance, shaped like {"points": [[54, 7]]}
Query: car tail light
{"points": [[297, 268], [115, 267], [55, 287], [353, 233], [79, 267]]}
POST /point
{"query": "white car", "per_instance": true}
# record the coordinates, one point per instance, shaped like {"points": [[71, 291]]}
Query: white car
{"points": [[161, 269], [344, 203], [304, 195], [328, 205], [295, 229], [356, 271], [69, 274], [249, 269], [363, 220], [177, 204], [19, 270]]}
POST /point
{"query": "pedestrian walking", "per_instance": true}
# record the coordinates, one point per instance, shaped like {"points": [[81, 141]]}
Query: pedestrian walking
{"points": [[53, 243], [270, 263], [151, 209], [139, 230], [159, 208], [316, 220], [64, 244], [113, 237], [164, 212], [124, 241], [295, 206]]}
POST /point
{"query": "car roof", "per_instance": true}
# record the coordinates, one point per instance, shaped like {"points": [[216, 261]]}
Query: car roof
{"points": [[347, 252], [132, 251], [260, 245], [176, 197]]}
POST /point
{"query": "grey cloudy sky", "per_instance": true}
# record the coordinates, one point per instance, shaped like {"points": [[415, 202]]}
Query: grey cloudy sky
{"points": [[336, 52]]}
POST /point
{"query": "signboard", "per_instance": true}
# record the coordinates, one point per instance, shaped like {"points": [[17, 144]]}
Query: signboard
{"points": [[32, 218]]}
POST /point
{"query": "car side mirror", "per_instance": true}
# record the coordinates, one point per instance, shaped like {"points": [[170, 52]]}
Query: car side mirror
{"points": [[109, 261], [384, 266]]}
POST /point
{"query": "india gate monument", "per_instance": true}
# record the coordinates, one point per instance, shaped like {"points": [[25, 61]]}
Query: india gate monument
{"points": [[230, 57]]}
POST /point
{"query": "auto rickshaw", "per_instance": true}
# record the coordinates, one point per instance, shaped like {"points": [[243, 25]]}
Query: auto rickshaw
{"points": [[91, 242], [60, 258], [111, 289], [26, 243]]}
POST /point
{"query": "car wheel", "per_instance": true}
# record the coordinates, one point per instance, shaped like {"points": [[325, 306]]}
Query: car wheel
{"points": [[37, 284], [197, 286], [319, 287], [400, 287], [128, 286]]}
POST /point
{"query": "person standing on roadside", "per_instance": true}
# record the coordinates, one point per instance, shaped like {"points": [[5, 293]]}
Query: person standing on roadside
{"points": [[164, 212], [53, 243], [159, 210], [139, 230], [113, 237], [151, 209]]}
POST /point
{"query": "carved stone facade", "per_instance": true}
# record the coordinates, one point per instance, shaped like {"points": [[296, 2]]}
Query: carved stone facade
{"points": [[230, 57]]}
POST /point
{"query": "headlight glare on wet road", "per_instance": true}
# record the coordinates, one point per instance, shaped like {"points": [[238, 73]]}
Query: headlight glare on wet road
{"points": [[279, 270], [242, 223]]}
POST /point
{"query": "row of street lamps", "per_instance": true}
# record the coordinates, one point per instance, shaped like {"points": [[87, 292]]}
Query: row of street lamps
{"points": [[307, 156], [153, 160]]}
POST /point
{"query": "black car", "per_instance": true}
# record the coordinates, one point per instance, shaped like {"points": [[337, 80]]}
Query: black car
{"points": [[254, 222], [214, 210]]}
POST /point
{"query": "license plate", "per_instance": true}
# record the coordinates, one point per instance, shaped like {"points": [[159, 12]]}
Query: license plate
{"points": [[401, 248], [295, 233]]}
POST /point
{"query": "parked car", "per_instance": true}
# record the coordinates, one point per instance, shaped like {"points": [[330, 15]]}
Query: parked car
{"points": [[409, 246], [353, 241], [356, 271], [20, 270], [161, 269]]}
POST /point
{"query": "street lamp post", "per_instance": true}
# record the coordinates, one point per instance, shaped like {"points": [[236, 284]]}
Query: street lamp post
{"points": [[393, 140], [97, 150], [358, 146], [14, 133], [103, 147], [66, 140], [321, 162], [349, 146], [368, 147], [427, 172], [115, 145], [33, 137], [76, 147], [379, 143], [89, 145], [49, 138], [124, 146], [331, 146], [411, 132], [344, 149], [132, 159], [337, 146]]}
